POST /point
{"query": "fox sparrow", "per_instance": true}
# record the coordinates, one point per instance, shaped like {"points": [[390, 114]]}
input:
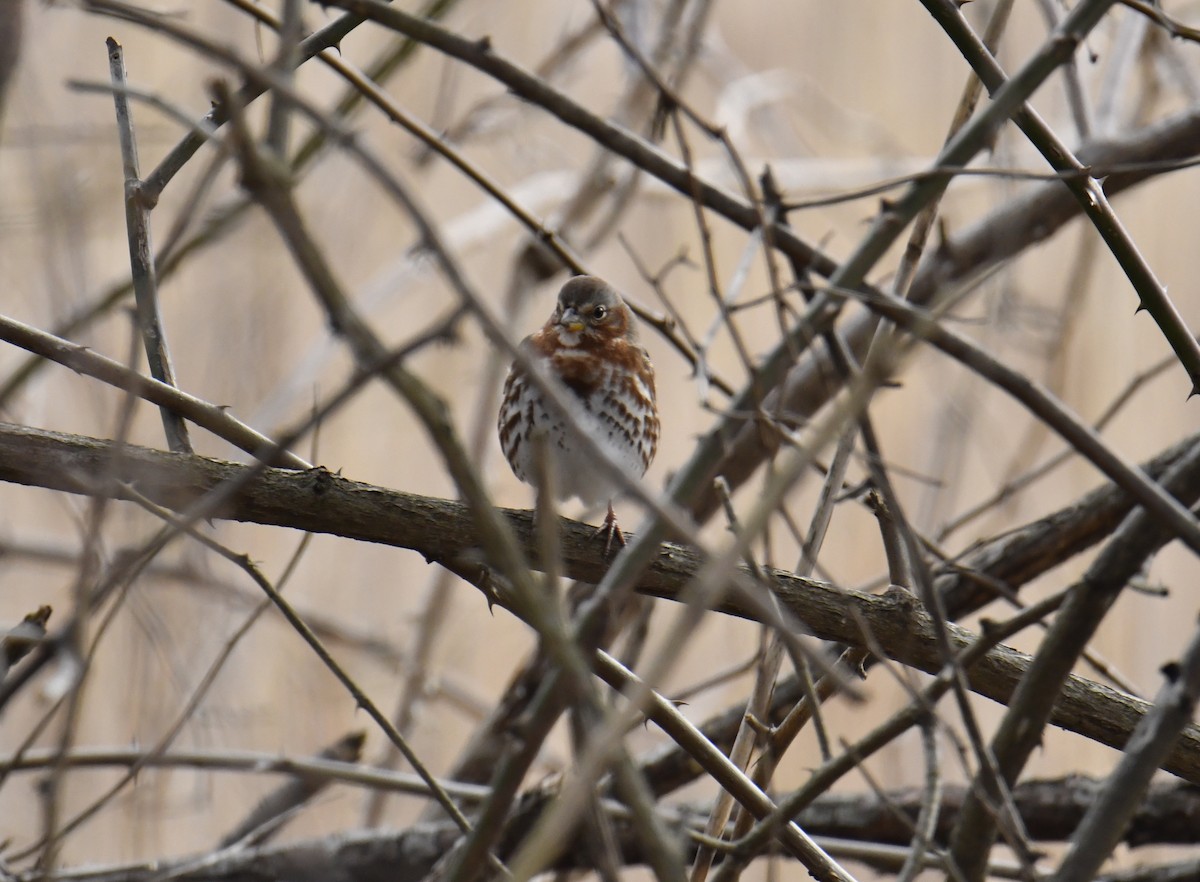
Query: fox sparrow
{"points": [[589, 345]]}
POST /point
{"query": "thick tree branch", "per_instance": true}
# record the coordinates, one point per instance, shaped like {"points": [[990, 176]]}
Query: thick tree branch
{"points": [[1049, 808], [1050, 811], [319, 501]]}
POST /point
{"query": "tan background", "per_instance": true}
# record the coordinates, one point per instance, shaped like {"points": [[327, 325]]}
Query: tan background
{"points": [[858, 92]]}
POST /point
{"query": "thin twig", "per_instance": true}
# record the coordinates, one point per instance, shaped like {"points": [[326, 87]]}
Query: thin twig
{"points": [[141, 256]]}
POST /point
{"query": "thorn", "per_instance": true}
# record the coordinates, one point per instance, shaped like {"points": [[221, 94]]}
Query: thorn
{"points": [[488, 588]]}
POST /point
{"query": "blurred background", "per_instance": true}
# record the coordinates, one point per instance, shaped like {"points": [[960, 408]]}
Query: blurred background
{"points": [[833, 97]]}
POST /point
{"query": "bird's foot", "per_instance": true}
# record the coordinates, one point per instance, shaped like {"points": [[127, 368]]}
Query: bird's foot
{"points": [[610, 530]]}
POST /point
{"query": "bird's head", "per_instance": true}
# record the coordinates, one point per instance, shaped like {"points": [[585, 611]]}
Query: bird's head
{"points": [[589, 308]]}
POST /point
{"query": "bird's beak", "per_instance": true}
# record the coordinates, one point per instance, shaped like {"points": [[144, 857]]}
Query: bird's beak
{"points": [[571, 321]]}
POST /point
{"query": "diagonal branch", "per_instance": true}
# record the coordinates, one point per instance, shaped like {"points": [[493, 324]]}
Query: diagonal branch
{"points": [[1087, 189], [1032, 217]]}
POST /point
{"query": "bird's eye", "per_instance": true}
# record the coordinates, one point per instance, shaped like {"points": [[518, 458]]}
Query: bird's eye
{"points": [[599, 312]]}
